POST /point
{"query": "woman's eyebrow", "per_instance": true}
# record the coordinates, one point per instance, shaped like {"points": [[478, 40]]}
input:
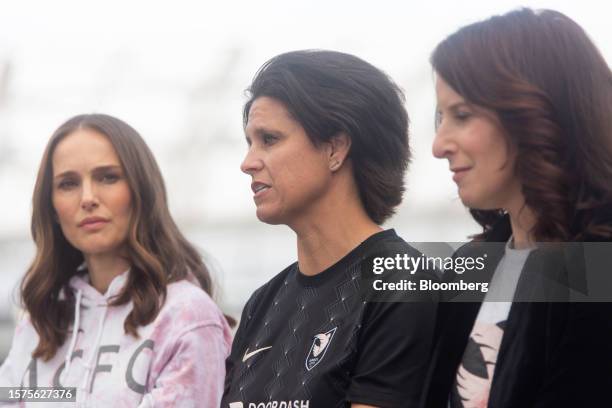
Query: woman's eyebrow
{"points": [[65, 173], [106, 167], [95, 170], [262, 130], [460, 104]]}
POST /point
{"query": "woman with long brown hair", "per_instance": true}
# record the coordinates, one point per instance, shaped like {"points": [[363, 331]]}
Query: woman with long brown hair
{"points": [[524, 118], [118, 302]]}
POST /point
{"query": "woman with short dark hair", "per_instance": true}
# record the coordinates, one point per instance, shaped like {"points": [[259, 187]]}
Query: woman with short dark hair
{"points": [[328, 149]]}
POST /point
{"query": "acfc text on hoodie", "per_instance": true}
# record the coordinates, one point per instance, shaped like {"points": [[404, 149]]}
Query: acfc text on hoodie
{"points": [[177, 360]]}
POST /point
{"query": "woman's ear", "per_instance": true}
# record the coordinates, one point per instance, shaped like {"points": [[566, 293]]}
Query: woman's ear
{"points": [[339, 147]]}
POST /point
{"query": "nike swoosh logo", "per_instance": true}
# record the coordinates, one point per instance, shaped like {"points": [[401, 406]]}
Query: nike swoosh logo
{"points": [[248, 355]]}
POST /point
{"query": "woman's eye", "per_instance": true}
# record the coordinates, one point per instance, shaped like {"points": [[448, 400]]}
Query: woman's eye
{"points": [[67, 184], [462, 116], [268, 139], [109, 178]]}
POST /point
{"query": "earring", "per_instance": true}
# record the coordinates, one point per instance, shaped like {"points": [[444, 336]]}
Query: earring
{"points": [[335, 165]]}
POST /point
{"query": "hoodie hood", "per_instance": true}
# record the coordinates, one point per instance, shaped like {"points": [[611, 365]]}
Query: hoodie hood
{"points": [[90, 295]]}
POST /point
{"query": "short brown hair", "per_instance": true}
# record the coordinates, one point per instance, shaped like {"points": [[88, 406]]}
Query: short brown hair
{"points": [[330, 92]]}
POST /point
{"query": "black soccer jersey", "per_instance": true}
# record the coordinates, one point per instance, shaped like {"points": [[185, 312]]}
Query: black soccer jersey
{"points": [[312, 341]]}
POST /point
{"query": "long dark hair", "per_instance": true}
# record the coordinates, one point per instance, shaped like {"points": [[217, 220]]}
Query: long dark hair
{"points": [[157, 251], [552, 91]]}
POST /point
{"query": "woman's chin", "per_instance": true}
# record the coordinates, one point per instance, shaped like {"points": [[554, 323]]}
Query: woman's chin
{"points": [[268, 216], [472, 202]]}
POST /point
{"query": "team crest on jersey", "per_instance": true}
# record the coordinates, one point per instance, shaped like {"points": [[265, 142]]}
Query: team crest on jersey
{"points": [[319, 347]]}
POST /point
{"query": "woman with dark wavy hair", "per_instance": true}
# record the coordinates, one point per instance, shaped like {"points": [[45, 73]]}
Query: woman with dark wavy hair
{"points": [[118, 302], [524, 118]]}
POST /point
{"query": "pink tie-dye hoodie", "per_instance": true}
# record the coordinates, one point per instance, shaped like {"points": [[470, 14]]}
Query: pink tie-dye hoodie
{"points": [[177, 360]]}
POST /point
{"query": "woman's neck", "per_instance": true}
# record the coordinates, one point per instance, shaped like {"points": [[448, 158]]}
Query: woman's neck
{"points": [[103, 268], [325, 238], [522, 221]]}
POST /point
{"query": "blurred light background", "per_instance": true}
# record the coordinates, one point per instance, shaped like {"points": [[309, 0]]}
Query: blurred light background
{"points": [[178, 72]]}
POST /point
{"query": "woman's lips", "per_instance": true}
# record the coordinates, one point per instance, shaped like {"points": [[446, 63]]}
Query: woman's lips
{"points": [[93, 223], [459, 173], [93, 226], [260, 193], [259, 189]]}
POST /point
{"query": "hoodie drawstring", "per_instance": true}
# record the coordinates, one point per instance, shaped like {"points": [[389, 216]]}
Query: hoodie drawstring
{"points": [[90, 363], [75, 332]]}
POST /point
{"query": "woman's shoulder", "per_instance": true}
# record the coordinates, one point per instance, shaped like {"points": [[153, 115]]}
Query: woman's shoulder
{"points": [[263, 294], [274, 284], [24, 328], [187, 302], [25, 337]]}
